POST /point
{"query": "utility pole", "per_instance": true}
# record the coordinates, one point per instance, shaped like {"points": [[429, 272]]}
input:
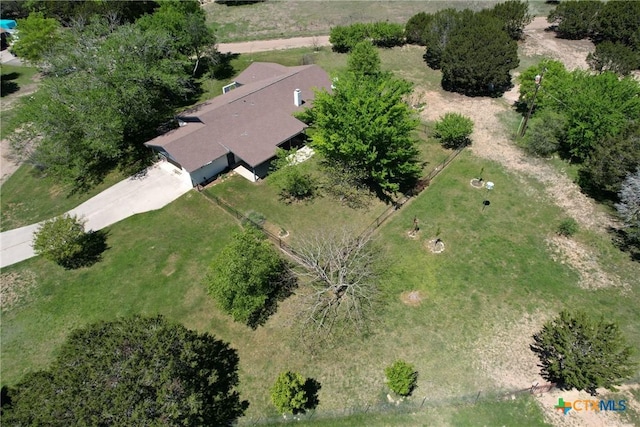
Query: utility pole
{"points": [[533, 101]]}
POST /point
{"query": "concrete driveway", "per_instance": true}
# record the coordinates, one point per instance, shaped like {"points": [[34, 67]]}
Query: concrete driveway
{"points": [[157, 187]]}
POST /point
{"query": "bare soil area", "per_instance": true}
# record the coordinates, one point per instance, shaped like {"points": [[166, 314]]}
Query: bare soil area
{"points": [[541, 41]]}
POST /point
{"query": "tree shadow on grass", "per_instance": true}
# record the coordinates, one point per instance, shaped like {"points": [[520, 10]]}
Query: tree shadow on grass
{"points": [[311, 389], [7, 85], [94, 244], [287, 283], [224, 69]]}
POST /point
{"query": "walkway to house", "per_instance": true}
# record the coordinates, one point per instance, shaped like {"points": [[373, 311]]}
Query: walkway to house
{"points": [[157, 187]]}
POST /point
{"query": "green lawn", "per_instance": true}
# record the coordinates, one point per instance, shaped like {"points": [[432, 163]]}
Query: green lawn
{"points": [[495, 268], [29, 196], [299, 218], [16, 82], [523, 411]]}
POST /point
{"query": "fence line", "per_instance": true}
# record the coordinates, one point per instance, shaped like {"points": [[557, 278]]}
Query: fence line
{"points": [[404, 406], [397, 204], [422, 184]]}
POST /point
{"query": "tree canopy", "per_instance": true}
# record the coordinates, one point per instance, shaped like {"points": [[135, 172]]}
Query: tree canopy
{"points": [[131, 371], [365, 125], [247, 278], [364, 59], [105, 92], [478, 57], [38, 35], [577, 351]]}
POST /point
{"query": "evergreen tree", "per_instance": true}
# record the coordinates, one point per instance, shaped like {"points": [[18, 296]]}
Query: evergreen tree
{"points": [[133, 371], [478, 58], [577, 351]]}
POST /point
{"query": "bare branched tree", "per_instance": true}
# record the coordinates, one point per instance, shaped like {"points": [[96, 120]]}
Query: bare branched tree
{"points": [[342, 273]]}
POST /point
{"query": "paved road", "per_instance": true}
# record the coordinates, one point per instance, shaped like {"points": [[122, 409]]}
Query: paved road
{"points": [[157, 188], [277, 44]]}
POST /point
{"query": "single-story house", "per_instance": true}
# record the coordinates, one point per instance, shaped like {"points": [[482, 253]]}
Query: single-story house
{"points": [[245, 124]]}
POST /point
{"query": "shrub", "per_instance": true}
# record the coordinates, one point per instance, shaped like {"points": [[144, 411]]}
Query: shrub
{"points": [[453, 130], [292, 393], [64, 241], [402, 377], [386, 34], [416, 28], [582, 352], [543, 135], [568, 227], [382, 34], [287, 394]]}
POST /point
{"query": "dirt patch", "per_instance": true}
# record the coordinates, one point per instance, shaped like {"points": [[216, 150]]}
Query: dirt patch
{"points": [[436, 246], [16, 288], [170, 267], [505, 356], [411, 298], [584, 261], [8, 163], [538, 41]]}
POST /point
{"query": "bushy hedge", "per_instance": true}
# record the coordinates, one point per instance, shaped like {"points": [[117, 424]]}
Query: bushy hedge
{"points": [[381, 34]]}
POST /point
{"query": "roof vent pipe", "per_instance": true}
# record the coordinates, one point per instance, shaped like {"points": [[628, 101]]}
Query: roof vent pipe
{"points": [[297, 97]]}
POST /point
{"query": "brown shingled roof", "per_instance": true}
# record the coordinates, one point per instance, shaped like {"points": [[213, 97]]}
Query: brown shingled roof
{"points": [[250, 121]]}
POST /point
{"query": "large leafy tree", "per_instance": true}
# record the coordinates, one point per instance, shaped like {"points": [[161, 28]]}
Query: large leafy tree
{"points": [[577, 351], [479, 56], [597, 106], [106, 90], [365, 125], [132, 371], [37, 35], [247, 278], [364, 59], [184, 20]]}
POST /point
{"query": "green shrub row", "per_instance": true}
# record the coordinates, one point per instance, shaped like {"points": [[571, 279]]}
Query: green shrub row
{"points": [[381, 34]]}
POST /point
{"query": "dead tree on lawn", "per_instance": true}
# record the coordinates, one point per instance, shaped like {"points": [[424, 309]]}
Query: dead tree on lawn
{"points": [[342, 272]]}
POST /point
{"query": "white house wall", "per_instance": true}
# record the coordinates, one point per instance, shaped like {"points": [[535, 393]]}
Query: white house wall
{"points": [[207, 172]]}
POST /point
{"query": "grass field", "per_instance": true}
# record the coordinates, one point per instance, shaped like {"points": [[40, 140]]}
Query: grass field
{"points": [[495, 268], [282, 19]]}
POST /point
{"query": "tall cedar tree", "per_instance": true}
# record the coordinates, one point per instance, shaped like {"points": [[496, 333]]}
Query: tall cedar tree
{"points": [[577, 351], [366, 125], [132, 371], [437, 34], [478, 57], [575, 19], [514, 15]]}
